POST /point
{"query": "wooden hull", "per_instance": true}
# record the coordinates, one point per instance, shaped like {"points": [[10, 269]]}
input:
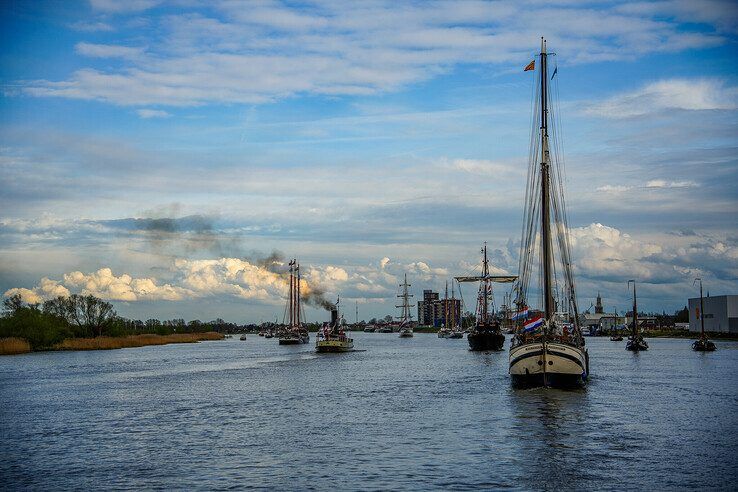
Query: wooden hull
{"points": [[294, 340], [325, 346], [551, 364], [485, 340], [703, 345], [636, 345]]}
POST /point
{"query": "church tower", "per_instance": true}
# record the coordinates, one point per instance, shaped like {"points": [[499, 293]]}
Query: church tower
{"points": [[598, 306]]}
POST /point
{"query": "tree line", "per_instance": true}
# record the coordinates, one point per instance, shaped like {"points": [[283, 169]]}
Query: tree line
{"points": [[79, 316]]}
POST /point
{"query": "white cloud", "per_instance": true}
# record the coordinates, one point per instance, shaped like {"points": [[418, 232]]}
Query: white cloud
{"points": [[680, 94], [152, 113], [104, 284], [661, 183], [613, 188], [107, 50], [483, 167], [46, 289], [92, 26], [265, 51], [114, 6]]}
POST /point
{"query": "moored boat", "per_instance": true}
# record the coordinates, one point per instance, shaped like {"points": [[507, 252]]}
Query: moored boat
{"points": [[547, 350]]}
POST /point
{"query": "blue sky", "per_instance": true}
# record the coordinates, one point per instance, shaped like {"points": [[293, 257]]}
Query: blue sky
{"points": [[368, 139]]}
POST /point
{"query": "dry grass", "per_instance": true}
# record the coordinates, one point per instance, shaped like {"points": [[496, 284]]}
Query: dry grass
{"points": [[108, 343], [10, 346]]}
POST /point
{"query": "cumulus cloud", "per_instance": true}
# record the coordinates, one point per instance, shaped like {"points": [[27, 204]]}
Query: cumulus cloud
{"points": [[672, 94], [104, 284], [46, 289], [231, 277]]}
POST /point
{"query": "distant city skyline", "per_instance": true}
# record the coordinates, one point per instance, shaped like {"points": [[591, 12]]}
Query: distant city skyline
{"points": [[156, 154]]}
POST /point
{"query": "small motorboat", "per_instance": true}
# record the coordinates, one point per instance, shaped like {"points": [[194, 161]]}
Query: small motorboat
{"points": [[616, 338], [243, 337]]}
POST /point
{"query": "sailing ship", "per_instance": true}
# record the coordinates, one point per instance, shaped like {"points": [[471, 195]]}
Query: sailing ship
{"points": [[702, 344], [635, 342], [294, 332], [451, 328], [549, 349], [332, 338], [487, 332], [406, 330]]}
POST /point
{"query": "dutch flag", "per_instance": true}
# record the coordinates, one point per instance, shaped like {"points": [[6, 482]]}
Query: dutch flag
{"points": [[533, 324], [521, 315]]}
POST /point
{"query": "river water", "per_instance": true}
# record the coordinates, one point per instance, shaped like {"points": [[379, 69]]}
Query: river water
{"points": [[413, 414]]}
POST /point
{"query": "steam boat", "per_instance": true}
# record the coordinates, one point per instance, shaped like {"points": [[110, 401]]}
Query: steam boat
{"points": [[635, 342], [549, 349], [487, 332], [406, 329], [332, 337], [294, 333]]}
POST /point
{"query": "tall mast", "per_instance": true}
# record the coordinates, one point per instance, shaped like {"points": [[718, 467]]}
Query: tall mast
{"points": [[405, 296], [548, 302], [485, 274], [453, 306], [297, 297], [635, 310], [702, 310], [292, 295], [445, 308]]}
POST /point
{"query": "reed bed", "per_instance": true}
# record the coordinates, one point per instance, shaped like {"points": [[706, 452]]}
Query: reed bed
{"points": [[12, 346], [109, 343]]}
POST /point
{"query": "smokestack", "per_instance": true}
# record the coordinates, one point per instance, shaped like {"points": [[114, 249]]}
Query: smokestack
{"points": [[334, 317]]}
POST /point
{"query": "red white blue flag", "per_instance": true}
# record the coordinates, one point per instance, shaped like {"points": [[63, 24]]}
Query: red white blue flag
{"points": [[533, 324], [522, 314]]}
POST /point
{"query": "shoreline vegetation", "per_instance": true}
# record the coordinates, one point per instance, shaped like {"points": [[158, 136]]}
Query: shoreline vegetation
{"points": [[89, 323], [15, 346]]}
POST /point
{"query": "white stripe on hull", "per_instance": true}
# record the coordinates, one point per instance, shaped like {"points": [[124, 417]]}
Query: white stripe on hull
{"points": [[559, 359]]}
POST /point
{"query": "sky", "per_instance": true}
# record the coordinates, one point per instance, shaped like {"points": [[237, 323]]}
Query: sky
{"points": [[170, 157]]}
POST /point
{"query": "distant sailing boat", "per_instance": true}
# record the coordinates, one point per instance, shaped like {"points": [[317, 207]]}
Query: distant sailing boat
{"points": [[635, 342], [702, 344], [450, 327], [294, 333], [406, 331], [487, 332], [547, 350]]}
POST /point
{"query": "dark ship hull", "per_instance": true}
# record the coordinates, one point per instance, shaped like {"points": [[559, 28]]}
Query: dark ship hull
{"points": [[636, 344], [703, 345], [482, 339]]}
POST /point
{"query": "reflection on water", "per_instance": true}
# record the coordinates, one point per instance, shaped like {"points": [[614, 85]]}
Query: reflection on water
{"points": [[421, 414]]}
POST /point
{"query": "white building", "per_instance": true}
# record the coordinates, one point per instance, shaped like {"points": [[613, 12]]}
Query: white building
{"points": [[721, 314]]}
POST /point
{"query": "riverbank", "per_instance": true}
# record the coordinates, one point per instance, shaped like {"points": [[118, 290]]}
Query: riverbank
{"points": [[688, 335], [11, 346]]}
